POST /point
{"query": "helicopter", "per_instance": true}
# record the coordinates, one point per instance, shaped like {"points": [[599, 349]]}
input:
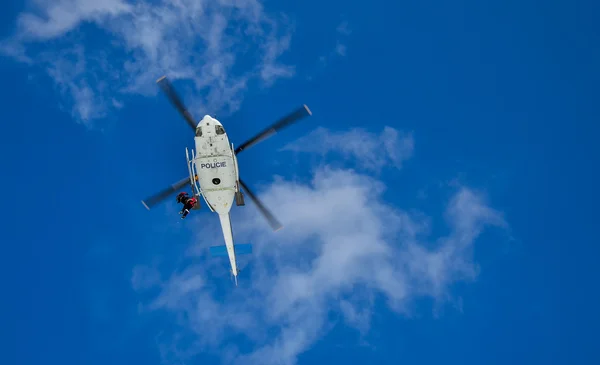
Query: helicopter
{"points": [[214, 172]]}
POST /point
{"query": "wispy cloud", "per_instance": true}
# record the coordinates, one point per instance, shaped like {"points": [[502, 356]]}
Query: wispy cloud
{"points": [[369, 150], [68, 70], [343, 244], [128, 45], [340, 49], [343, 30]]}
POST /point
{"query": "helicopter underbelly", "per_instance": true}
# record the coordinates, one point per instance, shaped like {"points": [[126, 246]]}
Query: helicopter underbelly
{"points": [[216, 171]]}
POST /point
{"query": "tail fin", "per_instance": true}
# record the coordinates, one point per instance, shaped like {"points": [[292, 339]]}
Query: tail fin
{"points": [[239, 249]]}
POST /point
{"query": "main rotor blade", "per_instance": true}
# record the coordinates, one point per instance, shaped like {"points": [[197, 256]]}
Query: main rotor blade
{"points": [[169, 90], [265, 212], [276, 127], [162, 195]]}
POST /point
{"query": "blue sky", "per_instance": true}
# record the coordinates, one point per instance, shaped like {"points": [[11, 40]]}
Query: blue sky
{"points": [[439, 205]]}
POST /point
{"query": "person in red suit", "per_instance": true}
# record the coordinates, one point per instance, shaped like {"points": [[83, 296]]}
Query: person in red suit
{"points": [[188, 203]]}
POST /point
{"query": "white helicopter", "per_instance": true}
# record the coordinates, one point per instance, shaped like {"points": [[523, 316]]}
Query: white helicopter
{"points": [[214, 174]]}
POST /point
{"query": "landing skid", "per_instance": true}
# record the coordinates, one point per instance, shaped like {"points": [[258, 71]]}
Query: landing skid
{"points": [[196, 190]]}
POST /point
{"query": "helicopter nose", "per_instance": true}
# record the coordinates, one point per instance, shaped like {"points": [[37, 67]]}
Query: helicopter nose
{"points": [[209, 126], [208, 120]]}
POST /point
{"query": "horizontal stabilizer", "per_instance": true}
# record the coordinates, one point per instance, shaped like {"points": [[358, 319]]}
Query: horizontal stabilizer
{"points": [[240, 249]]}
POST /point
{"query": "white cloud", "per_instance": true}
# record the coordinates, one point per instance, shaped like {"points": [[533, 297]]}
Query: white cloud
{"points": [[340, 50], [370, 151], [60, 17], [343, 31], [68, 71], [134, 43], [342, 246], [343, 28]]}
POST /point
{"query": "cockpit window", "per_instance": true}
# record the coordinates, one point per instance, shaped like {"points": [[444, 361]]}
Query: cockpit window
{"points": [[219, 130], [199, 131]]}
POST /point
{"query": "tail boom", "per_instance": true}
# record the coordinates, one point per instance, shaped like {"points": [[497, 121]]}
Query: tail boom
{"points": [[228, 236]]}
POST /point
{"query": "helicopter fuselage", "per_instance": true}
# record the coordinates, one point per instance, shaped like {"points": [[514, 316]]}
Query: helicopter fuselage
{"points": [[216, 165], [217, 173]]}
